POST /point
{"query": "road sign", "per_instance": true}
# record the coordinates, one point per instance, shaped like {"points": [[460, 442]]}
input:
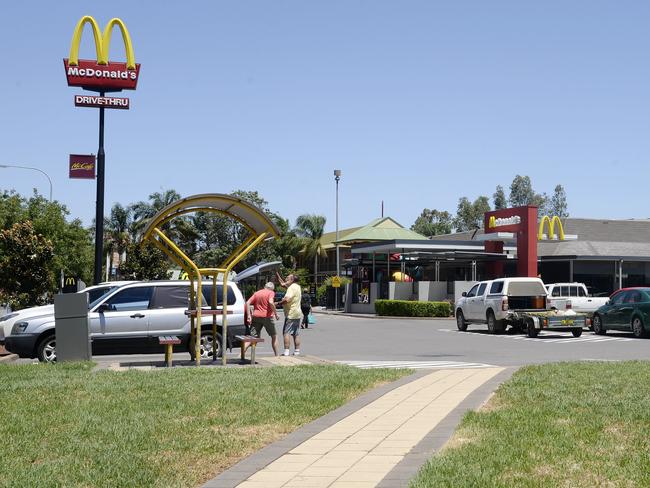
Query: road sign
{"points": [[336, 282]]}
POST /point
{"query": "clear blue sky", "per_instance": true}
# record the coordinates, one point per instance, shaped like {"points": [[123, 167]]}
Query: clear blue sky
{"points": [[417, 102]]}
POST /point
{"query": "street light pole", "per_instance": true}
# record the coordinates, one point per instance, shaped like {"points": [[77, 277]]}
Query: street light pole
{"points": [[337, 177], [35, 169]]}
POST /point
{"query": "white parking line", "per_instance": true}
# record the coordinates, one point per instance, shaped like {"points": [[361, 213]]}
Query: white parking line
{"points": [[553, 337]]}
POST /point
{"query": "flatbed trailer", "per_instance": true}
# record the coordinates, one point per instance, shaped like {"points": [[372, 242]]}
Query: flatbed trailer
{"points": [[534, 321]]}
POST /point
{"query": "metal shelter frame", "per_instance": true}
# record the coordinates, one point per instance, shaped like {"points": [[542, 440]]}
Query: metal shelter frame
{"points": [[260, 228]]}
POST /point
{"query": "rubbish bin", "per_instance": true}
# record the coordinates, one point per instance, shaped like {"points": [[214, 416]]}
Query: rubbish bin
{"points": [[72, 327]]}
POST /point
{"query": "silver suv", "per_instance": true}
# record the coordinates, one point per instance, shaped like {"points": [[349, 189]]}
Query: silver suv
{"points": [[94, 292], [129, 320]]}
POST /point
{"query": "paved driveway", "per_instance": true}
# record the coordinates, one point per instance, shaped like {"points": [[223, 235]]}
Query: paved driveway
{"points": [[367, 340], [429, 344]]}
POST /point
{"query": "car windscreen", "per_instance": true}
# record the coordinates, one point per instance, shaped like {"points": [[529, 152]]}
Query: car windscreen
{"points": [[95, 301], [97, 293]]}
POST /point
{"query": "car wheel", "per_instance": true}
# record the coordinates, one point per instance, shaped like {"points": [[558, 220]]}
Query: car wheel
{"points": [[494, 326], [531, 330], [460, 321], [597, 324], [46, 349], [576, 332], [206, 346], [637, 327]]}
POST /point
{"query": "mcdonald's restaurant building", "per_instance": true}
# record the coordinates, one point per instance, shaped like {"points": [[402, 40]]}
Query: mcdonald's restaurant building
{"points": [[604, 254]]}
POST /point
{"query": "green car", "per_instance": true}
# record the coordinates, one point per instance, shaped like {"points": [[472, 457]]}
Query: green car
{"points": [[628, 309]]}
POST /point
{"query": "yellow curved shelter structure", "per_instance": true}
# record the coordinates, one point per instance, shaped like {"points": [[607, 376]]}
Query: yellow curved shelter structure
{"points": [[260, 228]]}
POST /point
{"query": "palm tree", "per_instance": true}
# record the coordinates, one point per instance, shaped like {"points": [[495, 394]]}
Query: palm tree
{"points": [[117, 230], [310, 227], [288, 245], [143, 211]]}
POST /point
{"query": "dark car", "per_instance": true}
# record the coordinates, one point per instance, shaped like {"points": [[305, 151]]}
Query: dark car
{"points": [[628, 309]]}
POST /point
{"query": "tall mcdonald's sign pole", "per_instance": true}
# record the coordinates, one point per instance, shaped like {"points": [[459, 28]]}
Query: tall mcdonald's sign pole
{"points": [[99, 206], [103, 77]]}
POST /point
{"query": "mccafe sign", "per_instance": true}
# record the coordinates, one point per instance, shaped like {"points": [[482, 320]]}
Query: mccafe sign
{"points": [[100, 74], [82, 166]]}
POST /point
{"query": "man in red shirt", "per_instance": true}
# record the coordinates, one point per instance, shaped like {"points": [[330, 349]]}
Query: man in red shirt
{"points": [[263, 313]]}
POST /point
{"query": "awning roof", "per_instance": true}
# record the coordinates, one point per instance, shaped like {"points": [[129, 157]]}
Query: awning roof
{"points": [[237, 208], [401, 246]]}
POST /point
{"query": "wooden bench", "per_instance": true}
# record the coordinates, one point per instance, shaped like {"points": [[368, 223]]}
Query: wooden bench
{"points": [[208, 311], [168, 342], [247, 340]]}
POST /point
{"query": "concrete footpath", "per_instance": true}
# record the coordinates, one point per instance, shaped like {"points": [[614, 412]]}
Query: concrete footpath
{"points": [[380, 439]]}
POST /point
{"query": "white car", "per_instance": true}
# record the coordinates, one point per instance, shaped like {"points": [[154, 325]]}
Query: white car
{"points": [[94, 292], [577, 295], [497, 302], [131, 318]]}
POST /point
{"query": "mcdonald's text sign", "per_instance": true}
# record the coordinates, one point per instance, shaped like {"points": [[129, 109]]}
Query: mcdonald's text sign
{"points": [[99, 74]]}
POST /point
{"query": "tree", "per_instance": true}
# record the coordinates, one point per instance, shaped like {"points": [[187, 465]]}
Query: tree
{"points": [[522, 193], [469, 215], [287, 247], [116, 231], [311, 227], [145, 262], [142, 211], [433, 222], [558, 205], [73, 248], [499, 198], [26, 276]]}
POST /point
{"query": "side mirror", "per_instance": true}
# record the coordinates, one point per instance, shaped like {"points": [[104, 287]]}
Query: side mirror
{"points": [[464, 294], [607, 302], [104, 307]]}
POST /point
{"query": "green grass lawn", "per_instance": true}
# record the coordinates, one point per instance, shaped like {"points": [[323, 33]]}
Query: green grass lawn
{"points": [[556, 425], [66, 425]]}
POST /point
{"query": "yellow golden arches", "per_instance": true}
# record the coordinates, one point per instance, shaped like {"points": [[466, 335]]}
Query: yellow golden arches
{"points": [[551, 227], [102, 41], [493, 222]]}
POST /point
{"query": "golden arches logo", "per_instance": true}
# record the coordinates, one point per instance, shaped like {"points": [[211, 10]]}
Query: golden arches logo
{"points": [[551, 227], [492, 223], [70, 281], [102, 41]]}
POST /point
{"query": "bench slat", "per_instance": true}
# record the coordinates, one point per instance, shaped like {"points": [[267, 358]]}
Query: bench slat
{"points": [[245, 338], [168, 340]]}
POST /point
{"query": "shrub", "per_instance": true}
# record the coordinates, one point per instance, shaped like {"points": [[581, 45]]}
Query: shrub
{"points": [[405, 308]]}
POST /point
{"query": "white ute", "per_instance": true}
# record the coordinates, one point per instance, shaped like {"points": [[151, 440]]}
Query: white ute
{"points": [[577, 295], [518, 302]]}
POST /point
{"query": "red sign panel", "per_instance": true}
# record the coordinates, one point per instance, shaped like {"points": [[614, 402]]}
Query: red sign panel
{"points": [[99, 102], [523, 222], [102, 77], [82, 166]]}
